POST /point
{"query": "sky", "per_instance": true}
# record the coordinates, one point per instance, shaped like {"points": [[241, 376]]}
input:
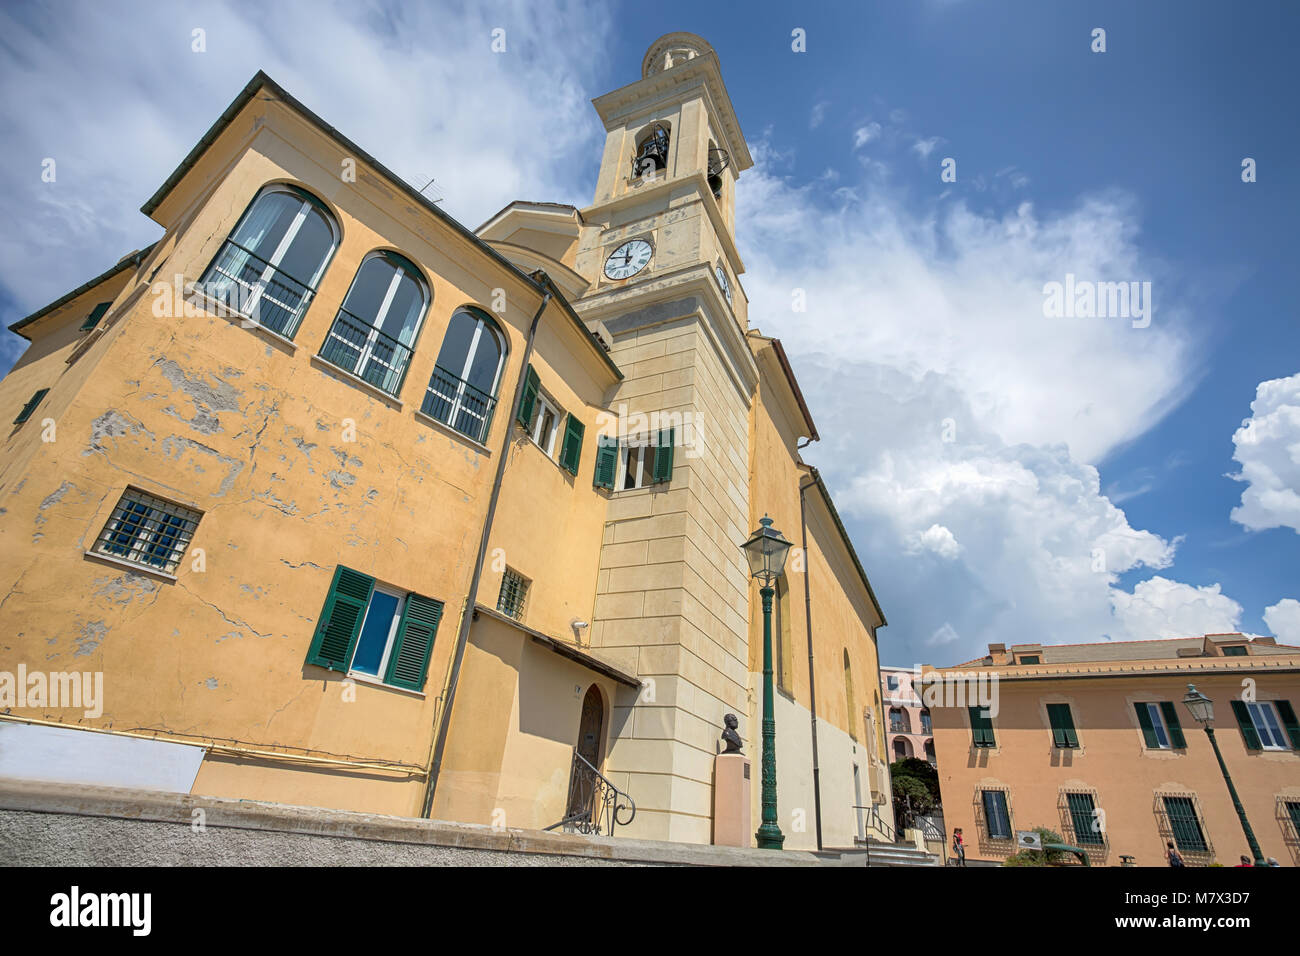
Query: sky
{"points": [[924, 172]]}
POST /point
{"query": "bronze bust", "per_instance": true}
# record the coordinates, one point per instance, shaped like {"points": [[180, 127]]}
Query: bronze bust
{"points": [[729, 735]]}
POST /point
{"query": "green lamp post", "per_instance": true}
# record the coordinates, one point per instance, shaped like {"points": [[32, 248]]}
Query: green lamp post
{"points": [[1202, 709], [766, 551]]}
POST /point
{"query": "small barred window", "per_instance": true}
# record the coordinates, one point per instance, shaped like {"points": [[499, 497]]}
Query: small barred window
{"points": [[148, 531], [514, 590]]}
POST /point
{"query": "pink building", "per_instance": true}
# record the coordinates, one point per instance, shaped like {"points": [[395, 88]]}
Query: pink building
{"points": [[907, 721]]}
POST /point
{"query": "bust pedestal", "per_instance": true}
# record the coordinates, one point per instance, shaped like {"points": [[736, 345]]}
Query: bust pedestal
{"points": [[731, 812]]}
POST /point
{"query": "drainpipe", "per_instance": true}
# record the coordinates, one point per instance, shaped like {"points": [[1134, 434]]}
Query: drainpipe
{"points": [[467, 614], [812, 670]]}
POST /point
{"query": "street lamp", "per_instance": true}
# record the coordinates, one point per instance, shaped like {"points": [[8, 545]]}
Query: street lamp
{"points": [[1202, 710], [766, 551]]}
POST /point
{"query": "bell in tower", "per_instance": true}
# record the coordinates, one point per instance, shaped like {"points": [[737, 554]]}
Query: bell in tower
{"points": [[652, 152]]}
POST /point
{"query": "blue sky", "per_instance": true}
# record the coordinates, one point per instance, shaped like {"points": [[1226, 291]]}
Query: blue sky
{"points": [[1073, 436]]}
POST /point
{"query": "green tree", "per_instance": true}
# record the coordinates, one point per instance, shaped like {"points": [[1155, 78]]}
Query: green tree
{"points": [[1038, 857], [916, 790]]}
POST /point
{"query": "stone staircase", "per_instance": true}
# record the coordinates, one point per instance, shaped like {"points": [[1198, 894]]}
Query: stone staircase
{"points": [[896, 854]]}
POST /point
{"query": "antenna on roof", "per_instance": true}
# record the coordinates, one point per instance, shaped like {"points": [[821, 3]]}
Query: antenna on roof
{"points": [[426, 186]]}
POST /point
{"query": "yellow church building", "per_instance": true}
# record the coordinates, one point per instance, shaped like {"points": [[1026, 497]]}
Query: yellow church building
{"points": [[351, 506]]}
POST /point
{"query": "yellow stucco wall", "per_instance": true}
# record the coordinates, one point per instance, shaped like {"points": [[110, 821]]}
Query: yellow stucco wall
{"points": [[295, 468]]}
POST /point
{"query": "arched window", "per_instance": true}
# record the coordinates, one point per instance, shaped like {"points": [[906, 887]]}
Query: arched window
{"points": [[373, 333], [899, 722], [929, 751], [854, 715], [268, 269], [463, 387], [902, 748], [925, 722]]}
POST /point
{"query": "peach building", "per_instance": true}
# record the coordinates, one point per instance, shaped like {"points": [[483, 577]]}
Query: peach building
{"points": [[1094, 741], [907, 719]]}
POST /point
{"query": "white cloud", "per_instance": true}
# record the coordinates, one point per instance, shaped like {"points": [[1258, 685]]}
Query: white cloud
{"points": [[944, 635], [1268, 449], [119, 100], [947, 402], [865, 134], [935, 538], [926, 146], [818, 114], [1283, 619], [1161, 608]]}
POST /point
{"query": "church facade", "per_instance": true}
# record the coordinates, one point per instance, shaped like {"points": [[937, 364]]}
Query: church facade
{"points": [[351, 506]]}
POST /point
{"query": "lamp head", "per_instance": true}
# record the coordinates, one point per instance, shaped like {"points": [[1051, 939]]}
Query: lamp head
{"points": [[1201, 707], [766, 551]]}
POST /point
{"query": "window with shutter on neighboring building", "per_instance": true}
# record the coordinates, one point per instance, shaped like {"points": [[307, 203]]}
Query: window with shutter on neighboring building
{"points": [[1186, 827], [148, 531], [1160, 727], [1064, 736], [1267, 724], [514, 592], [1084, 819], [370, 630], [981, 726], [30, 407], [997, 817]]}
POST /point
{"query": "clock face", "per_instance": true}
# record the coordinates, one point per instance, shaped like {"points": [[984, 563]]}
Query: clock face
{"points": [[628, 259], [722, 281]]}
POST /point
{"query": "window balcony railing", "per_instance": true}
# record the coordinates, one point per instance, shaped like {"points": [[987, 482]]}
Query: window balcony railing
{"points": [[360, 349], [250, 286], [459, 405]]}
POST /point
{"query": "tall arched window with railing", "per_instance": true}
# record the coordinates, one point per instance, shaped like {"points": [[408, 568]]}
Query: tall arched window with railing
{"points": [[374, 331], [269, 267], [462, 391]]}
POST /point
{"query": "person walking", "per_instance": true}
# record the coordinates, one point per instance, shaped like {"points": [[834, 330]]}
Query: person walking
{"points": [[1172, 855], [958, 847]]}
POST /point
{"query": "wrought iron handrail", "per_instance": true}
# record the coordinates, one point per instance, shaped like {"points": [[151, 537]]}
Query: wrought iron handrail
{"points": [[874, 818], [373, 356], [593, 801], [458, 404], [286, 296]]}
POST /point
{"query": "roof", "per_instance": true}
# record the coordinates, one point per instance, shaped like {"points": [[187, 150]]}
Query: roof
{"points": [[848, 543], [1176, 648], [563, 648], [260, 82], [559, 207], [128, 261]]}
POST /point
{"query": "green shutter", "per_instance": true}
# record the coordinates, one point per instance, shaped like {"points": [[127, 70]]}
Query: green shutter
{"points": [[30, 407], [1172, 725], [96, 314], [1063, 735], [981, 728], [528, 400], [1148, 729], [340, 619], [408, 663], [1287, 713], [1246, 724], [571, 452], [606, 462], [664, 457]]}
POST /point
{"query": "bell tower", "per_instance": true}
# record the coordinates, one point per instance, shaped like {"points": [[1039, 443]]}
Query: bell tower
{"points": [[672, 605]]}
